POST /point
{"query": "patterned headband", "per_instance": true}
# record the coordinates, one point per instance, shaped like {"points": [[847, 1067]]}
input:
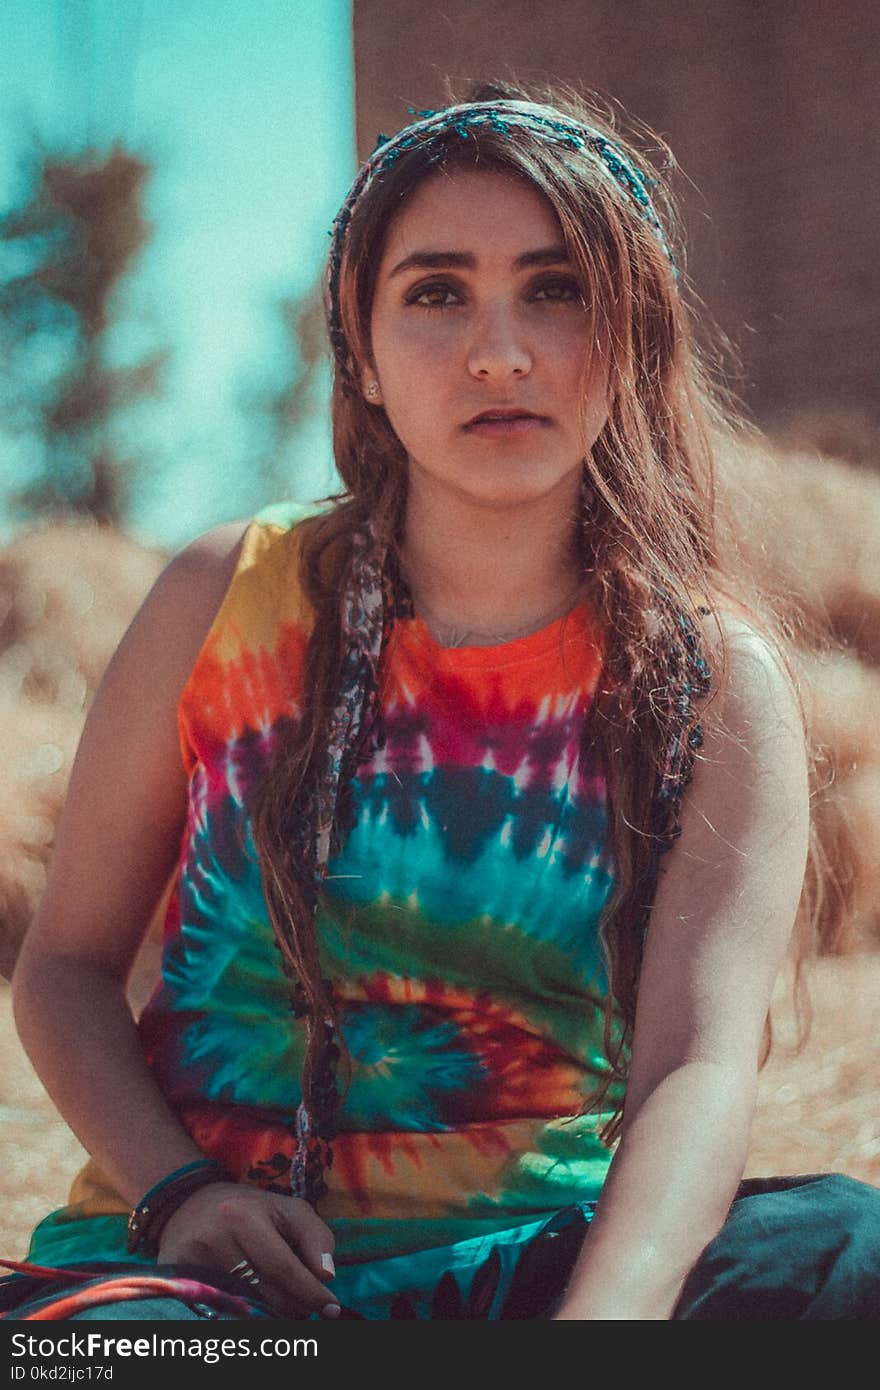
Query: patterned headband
{"points": [[506, 116]]}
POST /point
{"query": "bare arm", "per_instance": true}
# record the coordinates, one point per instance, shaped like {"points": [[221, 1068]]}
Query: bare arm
{"points": [[117, 840], [718, 934], [117, 843]]}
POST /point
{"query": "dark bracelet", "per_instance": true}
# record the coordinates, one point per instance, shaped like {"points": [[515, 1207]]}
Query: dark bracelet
{"points": [[156, 1207]]}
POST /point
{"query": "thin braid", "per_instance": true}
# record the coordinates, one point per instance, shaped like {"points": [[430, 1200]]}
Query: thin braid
{"points": [[354, 731]]}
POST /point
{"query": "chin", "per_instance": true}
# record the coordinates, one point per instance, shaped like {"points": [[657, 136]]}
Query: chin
{"points": [[500, 482], [517, 488]]}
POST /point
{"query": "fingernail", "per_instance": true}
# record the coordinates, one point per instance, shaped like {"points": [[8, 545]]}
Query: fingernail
{"points": [[331, 1310], [327, 1263]]}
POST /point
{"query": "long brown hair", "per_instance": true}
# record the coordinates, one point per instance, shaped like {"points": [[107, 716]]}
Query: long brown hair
{"points": [[649, 543]]}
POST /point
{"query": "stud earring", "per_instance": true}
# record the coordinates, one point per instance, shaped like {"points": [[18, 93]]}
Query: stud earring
{"points": [[372, 390]]}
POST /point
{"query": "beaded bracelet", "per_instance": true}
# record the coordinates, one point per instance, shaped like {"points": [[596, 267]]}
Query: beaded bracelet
{"points": [[158, 1205]]}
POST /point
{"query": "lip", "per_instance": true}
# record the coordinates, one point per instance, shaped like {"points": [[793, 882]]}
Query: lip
{"points": [[505, 421]]}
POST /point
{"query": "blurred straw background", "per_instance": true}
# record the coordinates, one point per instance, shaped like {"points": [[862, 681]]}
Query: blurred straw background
{"points": [[107, 465]]}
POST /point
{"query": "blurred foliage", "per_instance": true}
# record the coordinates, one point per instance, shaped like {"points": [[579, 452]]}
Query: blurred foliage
{"points": [[75, 236], [278, 413]]}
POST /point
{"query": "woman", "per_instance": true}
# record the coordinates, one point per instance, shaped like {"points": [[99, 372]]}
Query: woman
{"points": [[435, 741]]}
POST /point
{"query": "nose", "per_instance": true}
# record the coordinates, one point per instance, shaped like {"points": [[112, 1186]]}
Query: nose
{"points": [[498, 348]]}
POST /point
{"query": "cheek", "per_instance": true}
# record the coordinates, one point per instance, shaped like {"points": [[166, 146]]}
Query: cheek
{"points": [[414, 349], [562, 347], [596, 409]]}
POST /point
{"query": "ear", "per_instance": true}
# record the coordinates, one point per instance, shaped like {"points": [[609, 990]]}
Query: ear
{"points": [[372, 392]]}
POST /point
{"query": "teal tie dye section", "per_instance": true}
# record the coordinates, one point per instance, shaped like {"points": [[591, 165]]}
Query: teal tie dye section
{"points": [[461, 855]]}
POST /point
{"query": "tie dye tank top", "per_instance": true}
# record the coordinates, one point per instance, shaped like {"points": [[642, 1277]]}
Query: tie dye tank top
{"points": [[459, 926]]}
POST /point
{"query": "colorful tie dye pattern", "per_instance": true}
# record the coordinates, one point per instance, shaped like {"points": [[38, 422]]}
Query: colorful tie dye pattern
{"points": [[459, 929]]}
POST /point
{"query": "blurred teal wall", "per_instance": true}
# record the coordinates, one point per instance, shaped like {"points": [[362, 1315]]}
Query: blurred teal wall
{"points": [[247, 113]]}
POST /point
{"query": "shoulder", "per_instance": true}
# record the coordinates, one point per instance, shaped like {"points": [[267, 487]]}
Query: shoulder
{"points": [[210, 557], [213, 556], [234, 588], [753, 764], [739, 681], [740, 749], [268, 542], [191, 587], [166, 632], [752, 676]]}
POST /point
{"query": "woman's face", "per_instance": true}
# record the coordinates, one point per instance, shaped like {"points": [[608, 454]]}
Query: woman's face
{"points": [[478, 310]]}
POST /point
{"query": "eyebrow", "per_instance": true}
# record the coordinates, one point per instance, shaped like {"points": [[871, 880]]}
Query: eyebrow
{"points": [[465, 260]]}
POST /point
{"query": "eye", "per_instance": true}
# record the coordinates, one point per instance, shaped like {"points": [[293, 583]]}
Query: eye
{"points": [[559, 289], [433, 296]]}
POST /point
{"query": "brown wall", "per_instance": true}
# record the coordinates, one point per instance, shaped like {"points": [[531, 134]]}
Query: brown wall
{"points": [[770, 107]]}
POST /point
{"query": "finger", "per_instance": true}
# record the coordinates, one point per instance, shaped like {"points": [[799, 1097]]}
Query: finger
{"points": [[285, 1278], [257, 1287], [282, 1304], [309, 1236]]}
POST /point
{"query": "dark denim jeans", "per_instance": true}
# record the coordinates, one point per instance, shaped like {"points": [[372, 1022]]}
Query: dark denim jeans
{"points": [[791, 1248]]}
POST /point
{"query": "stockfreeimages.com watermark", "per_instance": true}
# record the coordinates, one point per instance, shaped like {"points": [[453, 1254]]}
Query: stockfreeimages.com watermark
{"points": [[97, 1346]]}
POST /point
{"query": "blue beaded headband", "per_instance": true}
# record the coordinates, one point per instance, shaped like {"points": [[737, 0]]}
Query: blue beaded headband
{"points": [[504, 116]]}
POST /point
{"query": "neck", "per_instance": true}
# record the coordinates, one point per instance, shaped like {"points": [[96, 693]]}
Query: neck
{"points": [[485, 574]]}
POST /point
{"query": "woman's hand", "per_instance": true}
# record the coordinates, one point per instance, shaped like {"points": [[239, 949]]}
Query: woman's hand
{"points": [[284, 1241]]}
